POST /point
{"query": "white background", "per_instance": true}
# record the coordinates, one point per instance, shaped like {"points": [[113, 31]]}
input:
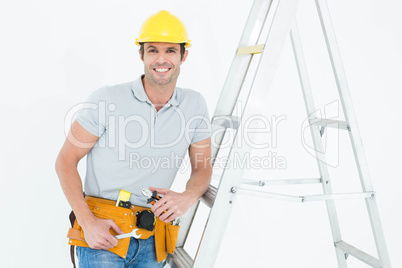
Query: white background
{"points": [[55, 53]]}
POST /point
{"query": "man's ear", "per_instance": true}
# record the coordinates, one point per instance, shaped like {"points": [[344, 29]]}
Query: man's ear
{"points": [[139, 52], [184, 56]]}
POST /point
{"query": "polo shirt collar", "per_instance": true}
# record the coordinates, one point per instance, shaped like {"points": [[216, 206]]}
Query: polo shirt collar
{"points": [[139, 92], [174, 99]]}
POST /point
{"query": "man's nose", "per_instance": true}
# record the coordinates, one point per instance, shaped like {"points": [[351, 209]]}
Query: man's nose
{"points": [[161, 58]]}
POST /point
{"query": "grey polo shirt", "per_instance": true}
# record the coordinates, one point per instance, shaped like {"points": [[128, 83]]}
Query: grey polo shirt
{"points": [[139, 147]]}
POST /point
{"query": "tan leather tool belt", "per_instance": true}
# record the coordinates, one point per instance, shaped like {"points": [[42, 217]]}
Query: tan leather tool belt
{"points": [[125, 218]]}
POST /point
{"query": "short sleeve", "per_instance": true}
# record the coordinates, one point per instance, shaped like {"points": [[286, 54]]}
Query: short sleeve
{"points": [[202, 128], [92, 115]]}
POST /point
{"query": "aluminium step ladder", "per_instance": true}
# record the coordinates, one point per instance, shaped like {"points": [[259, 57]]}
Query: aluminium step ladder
{"points": [[279, 20]]}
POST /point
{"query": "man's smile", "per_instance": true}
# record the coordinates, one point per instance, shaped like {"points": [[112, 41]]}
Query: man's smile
{"points": [[161, 70]]}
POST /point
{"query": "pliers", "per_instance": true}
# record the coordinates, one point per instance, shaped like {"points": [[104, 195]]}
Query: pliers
{"points": [[152, 196]]}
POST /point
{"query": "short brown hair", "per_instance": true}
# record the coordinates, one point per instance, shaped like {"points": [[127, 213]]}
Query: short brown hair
{"points": [[182, 50]]}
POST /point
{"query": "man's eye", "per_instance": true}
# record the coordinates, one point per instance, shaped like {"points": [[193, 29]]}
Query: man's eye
{"points": [[152, 51], [171, 51]]}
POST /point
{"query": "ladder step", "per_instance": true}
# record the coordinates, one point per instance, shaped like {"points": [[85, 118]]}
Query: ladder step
{"points": [[277, 196], [180, 258], [250, 50], [357, 253], [306, 198], [330, 123], [281, 181], [209, 197], [226, 121], [337, 196]]}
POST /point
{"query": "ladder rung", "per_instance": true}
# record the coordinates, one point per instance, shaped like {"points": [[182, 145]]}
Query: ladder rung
{"points": [[209, 197], [330, 123], [337, 196], [226, 121], [281, 181], [357, 253], [180, 258], [307, 197], [250, 50], [283, 197]]}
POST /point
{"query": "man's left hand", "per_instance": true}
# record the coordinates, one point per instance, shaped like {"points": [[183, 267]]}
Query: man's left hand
{"points": [[172, 204]]}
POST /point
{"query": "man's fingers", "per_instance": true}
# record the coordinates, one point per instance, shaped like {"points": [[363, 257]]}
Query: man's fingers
{"points": [[163, 207], [158, 210], [171, 218], [167, 213], [101, 245], [99, 236], [112, 241], [107, 241], [115, 227], [161, 191], [167, 218], [156, 207]]}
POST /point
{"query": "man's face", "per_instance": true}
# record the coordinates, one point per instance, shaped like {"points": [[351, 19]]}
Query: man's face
{"points": [[162, 62]]}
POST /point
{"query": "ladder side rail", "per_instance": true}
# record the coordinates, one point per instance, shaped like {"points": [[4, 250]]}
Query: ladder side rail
{"points": [[239, 68], [229, 95], [234, 80], [237, 72], [317, 141], [186, 221], [220, 212], [354, 132]]}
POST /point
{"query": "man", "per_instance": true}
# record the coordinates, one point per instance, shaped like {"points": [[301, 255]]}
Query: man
{"points": [[128, 128]]}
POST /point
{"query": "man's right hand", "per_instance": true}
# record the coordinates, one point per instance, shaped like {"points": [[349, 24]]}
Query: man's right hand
{"points": [[97, 233]]}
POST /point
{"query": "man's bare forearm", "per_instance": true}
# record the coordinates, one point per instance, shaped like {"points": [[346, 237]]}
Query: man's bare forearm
{"points": [[198, 184], [71, 184]]}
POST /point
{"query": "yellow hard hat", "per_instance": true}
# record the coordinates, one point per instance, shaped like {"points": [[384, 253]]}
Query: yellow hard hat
{"points": [[163, 27]]}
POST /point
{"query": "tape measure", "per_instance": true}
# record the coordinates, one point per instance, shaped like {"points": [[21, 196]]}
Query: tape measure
{"points": [[146, 219]]}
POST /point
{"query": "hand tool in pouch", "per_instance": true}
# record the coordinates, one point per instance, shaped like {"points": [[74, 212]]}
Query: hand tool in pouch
{"points": [[124, 199]]}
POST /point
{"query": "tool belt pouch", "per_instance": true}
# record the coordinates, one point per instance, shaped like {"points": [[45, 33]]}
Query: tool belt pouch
{"points": [[172, 232], [160, 241], [165, 239], [104, 209]]}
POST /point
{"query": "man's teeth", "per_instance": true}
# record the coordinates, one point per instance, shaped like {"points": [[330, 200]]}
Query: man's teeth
{"points": [[162, 70]]}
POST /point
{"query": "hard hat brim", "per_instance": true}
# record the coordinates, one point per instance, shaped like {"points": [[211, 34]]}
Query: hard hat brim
{"points": [[161, 40]]}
